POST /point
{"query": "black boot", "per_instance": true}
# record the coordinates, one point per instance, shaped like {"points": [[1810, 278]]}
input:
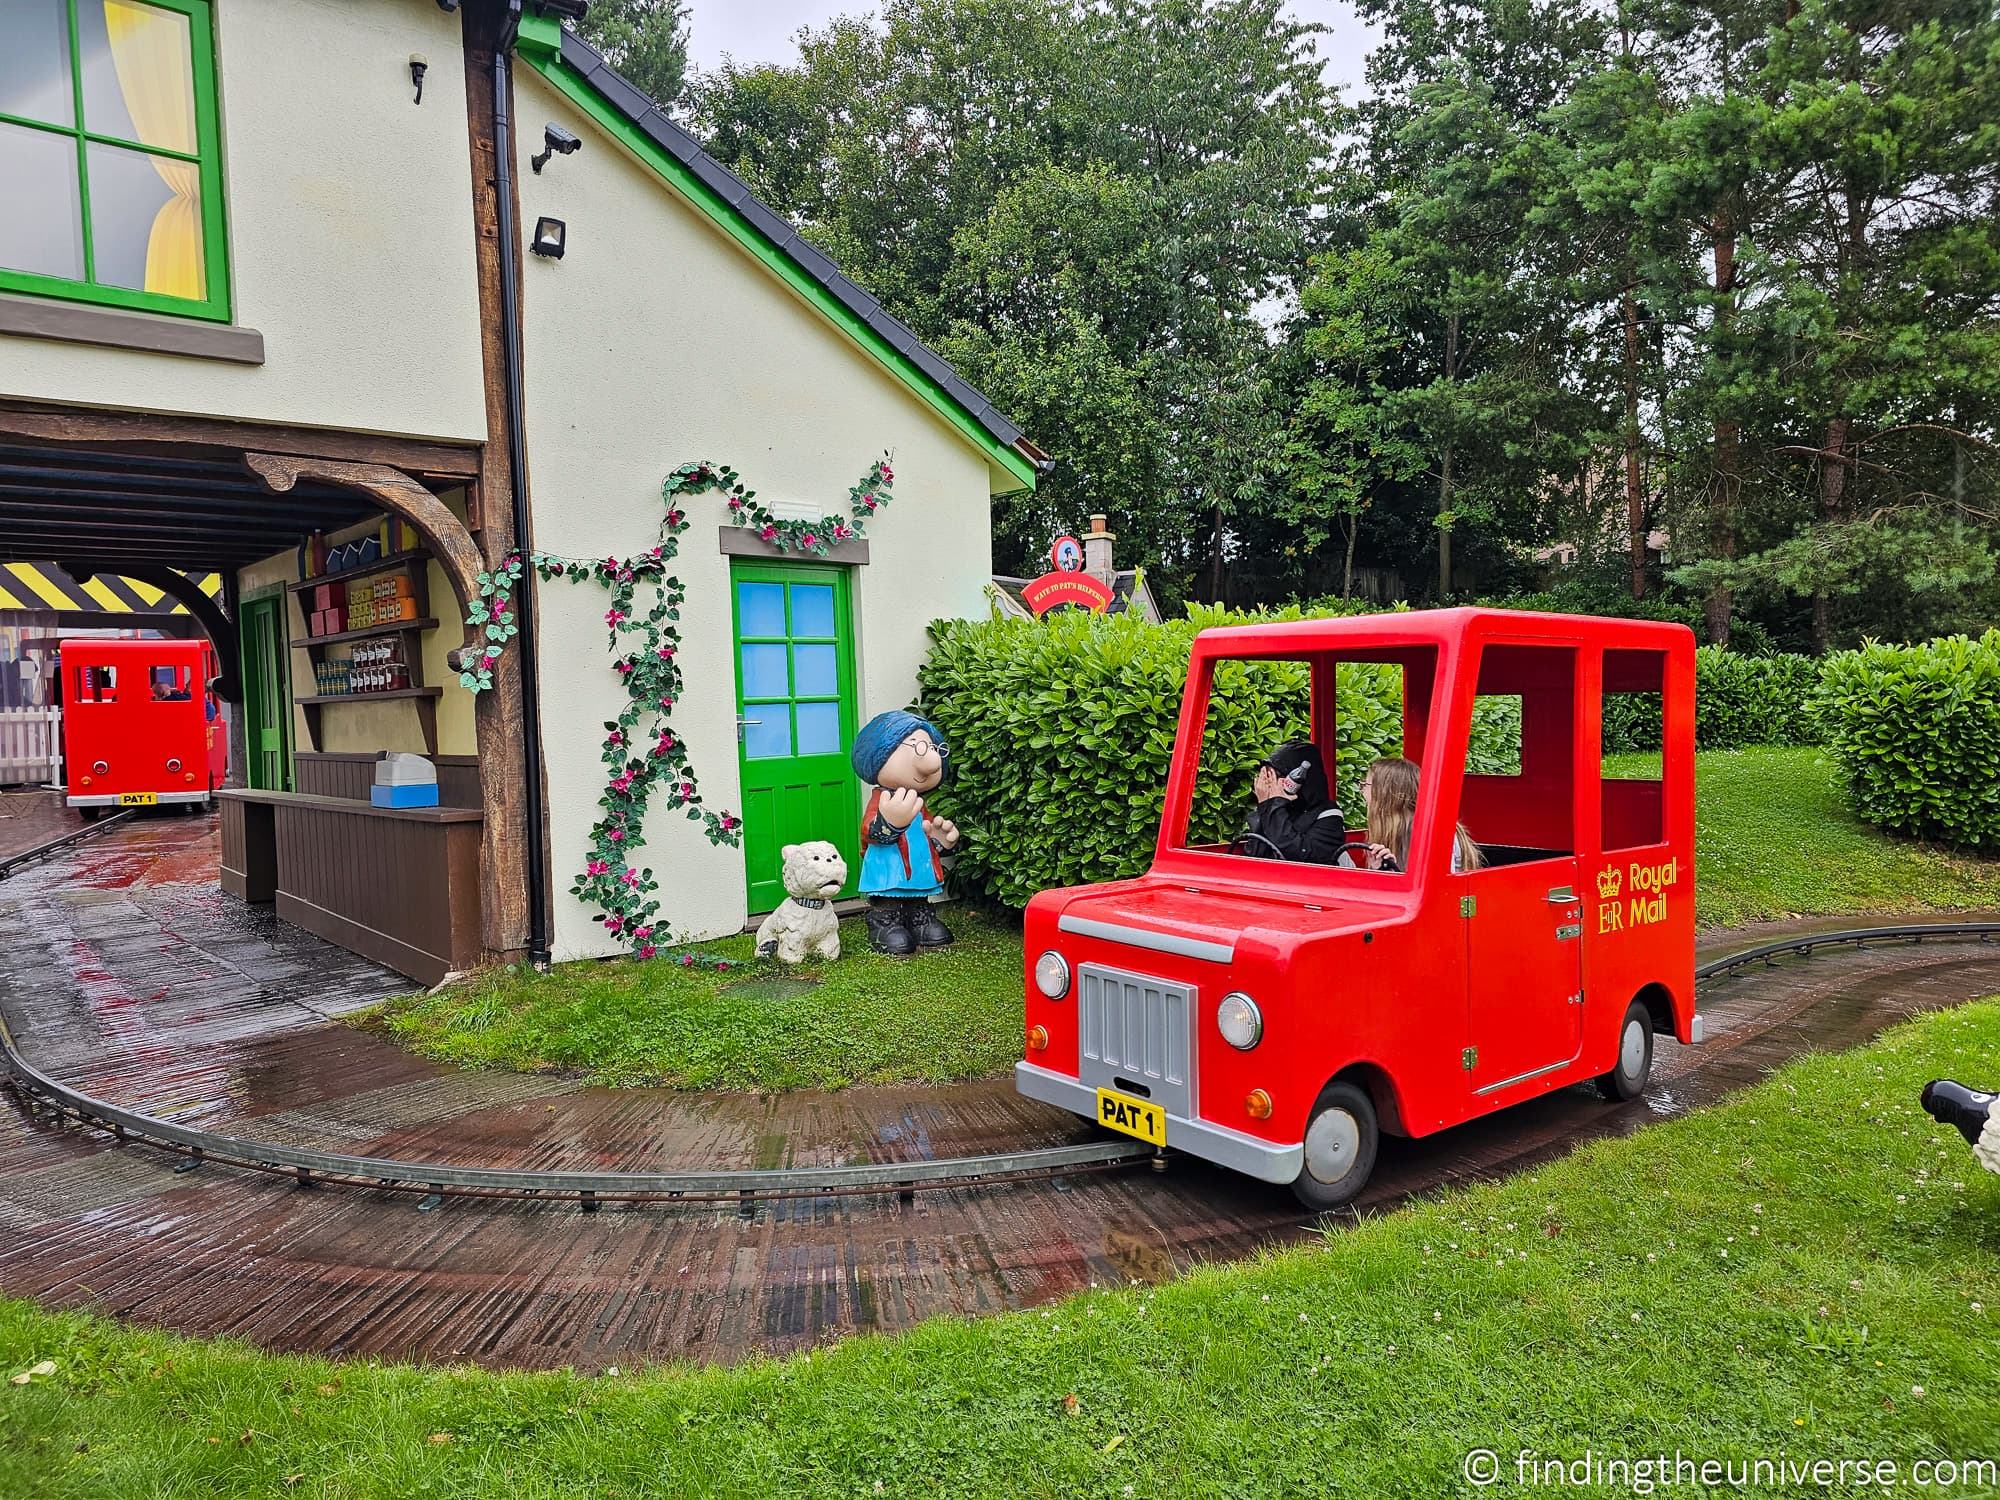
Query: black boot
{"points": [[1951, 1104], [887, 931], [922, 920]]}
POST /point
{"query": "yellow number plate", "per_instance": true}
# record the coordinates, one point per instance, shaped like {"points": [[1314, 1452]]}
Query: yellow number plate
{"points": [[1133, 1116], [138, 799]]}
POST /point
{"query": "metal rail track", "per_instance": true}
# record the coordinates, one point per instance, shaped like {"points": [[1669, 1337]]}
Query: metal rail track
{"points": [[14, 862], [437, 1181]]}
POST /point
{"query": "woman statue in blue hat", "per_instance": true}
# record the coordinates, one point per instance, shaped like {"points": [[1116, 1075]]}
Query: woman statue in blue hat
{"points": [[902, 757]]}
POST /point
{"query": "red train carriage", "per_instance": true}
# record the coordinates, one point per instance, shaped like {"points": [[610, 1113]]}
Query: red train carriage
{"points": [[1276, 1016], [140, 725]]}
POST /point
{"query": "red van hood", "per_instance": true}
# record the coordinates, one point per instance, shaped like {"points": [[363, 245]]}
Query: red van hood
{"points": [[1169, 909]]}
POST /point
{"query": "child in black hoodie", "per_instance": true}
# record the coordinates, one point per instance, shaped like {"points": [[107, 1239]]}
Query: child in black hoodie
{"points": [[1295, 817]]}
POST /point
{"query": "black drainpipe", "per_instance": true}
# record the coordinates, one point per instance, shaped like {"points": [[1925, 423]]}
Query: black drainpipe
{"points": [[517, 473]]}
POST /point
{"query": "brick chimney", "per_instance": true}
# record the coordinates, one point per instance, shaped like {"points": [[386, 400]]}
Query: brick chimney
{"points": [[1097, 551]]}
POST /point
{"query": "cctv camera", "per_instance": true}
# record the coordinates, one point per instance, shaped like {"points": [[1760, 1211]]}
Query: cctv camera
{"points": [[554, 139]]}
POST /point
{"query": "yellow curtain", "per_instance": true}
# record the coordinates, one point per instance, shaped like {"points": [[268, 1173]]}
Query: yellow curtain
{"points": [[149, 48]]}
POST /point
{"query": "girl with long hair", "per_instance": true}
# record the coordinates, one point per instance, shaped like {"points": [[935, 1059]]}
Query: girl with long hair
{"points": [[1389, 793]]}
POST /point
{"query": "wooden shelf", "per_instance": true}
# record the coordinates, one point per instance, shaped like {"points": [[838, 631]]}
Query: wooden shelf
{"points": [[375, 697], [394, 627], [425, 699], [346, 575]]}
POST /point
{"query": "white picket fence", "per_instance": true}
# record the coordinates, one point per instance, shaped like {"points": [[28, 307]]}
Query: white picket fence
{"points": [[30, 747]]}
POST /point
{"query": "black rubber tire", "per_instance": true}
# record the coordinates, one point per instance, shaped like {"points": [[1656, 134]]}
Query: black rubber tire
{"points": [[1340, 1098], [91, 814], [1623, 1083]]}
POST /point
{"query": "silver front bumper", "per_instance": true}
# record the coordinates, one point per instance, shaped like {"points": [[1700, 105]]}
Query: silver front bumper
{"points": [[110, 799], [1227, 1148]]}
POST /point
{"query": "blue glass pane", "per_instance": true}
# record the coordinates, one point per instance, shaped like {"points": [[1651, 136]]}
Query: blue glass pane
{"points": [[819, 728], [812, 610], [760, 609], [764, 672], [815, 672], [771, 737]]}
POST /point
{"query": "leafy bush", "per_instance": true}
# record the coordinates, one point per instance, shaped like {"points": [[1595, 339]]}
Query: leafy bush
{"points": [[1738, 700], [1062, 730], [1915, 731]]}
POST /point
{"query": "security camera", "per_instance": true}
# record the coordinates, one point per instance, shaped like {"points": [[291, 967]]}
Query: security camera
{"points": [[554, 139]]}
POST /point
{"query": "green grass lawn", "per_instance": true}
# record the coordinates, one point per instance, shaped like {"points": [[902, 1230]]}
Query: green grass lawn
{"points": [[952, 1013], [1812, 1267], [1773, 839]]}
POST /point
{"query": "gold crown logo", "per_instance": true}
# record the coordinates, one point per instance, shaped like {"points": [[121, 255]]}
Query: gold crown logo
{"points": [[1610, 882]]}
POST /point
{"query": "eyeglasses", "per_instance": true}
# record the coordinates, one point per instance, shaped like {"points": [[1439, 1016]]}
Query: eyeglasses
{"points": [[923, 745]]}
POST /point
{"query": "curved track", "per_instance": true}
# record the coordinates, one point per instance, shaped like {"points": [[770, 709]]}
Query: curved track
{"points": [[146, 993]]}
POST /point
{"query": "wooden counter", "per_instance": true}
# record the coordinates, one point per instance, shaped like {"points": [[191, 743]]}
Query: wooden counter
{"points": [[399, 885]]}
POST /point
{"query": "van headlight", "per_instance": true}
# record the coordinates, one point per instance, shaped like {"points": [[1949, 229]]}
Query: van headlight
{"points": [[1239, 1021], [1052, 975]]}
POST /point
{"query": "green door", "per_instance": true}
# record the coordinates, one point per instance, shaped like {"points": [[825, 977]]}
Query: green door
{"points": [[795, 716], [267, 694]]}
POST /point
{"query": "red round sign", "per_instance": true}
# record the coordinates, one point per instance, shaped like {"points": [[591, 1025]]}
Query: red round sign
{"points": [[1066, 556]]}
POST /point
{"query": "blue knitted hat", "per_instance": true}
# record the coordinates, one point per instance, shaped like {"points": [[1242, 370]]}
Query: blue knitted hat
{"points": [[881, 735]]}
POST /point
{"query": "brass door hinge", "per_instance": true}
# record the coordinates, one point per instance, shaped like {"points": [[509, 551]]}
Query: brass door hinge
{"points": [[1467, 905], [1470, 1056]]}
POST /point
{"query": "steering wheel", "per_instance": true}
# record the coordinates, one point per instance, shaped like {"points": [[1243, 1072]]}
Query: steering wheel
{"points": [[1356, 845], [1244, 840]]}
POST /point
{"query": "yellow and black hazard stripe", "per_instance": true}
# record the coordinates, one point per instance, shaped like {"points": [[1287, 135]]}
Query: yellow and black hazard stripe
{"points": [[44, 586]]}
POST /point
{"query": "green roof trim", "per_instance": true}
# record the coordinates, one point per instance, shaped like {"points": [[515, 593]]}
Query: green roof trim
{"points": [[556, 55]]}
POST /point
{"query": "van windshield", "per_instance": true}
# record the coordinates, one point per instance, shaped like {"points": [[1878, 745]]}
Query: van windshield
{"points": [[1286, 742]]}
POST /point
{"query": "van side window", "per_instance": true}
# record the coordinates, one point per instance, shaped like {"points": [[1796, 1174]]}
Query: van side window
{"points": [[1518, 798], [95, 685], [1632, 793]]}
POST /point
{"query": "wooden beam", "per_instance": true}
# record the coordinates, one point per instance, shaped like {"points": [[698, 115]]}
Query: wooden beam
{"points": [[141, 431]]}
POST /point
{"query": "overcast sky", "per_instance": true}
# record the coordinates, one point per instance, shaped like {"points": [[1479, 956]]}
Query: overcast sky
{"points": [[755, 31]]}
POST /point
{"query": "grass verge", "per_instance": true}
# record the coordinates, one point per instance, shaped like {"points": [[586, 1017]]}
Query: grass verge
{"points": [[1811, 1269], [949, 1014], [1774, 838]]}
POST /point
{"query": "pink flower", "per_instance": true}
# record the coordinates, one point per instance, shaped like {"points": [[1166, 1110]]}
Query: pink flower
{"points": [[888, 474], [640, 934], [808, 540], [491, 656], [647, 950], [666, 702], [616, 835], [613, 925], [596, 867], [666, 653], [687, 960], [735, 504], [868, 501], [673, 519], [630, 877], [723, 966], [687, 790], [768, 533], [555, 570], [616, 737], [613, 616], [730, 821], [627, 667]]}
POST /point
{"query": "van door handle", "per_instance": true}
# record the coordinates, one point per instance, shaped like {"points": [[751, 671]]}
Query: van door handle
{"points": [[1561, 895]]}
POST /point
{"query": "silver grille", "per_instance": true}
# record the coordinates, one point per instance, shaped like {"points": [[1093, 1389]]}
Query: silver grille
{"points": [[1137, 1028]]}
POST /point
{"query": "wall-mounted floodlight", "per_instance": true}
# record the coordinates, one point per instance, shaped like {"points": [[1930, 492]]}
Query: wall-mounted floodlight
{"points": [[554, 139], [550, 235], [418, 67]]}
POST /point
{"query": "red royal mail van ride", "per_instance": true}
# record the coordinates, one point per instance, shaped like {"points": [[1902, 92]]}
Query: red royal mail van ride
{"points": [[140, 725], [1277, 1016]]}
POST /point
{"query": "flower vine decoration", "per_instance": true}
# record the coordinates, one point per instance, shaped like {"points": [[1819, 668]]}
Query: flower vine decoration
{"points": [[640, 750]]}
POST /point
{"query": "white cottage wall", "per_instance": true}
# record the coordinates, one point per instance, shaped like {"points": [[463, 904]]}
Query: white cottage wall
{"points": [[655, 340], [350, 246]]}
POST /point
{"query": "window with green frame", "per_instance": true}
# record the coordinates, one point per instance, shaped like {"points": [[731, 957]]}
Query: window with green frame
{"points": [[110, 163]]}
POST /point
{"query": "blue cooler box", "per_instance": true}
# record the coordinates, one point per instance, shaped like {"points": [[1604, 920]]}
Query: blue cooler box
{"points": [[421, 794]]}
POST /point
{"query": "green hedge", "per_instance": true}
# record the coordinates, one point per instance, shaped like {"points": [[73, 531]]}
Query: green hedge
{"points": [[1062, 729], [1738, 700], [1915, 731]]}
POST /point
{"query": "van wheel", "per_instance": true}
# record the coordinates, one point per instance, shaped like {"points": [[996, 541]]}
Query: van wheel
{"points": [[1635, 1056], [1341, 1137]]}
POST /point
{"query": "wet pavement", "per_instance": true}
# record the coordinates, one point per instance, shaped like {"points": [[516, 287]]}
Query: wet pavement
{"points": [[128, 975], [30, 816]]}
